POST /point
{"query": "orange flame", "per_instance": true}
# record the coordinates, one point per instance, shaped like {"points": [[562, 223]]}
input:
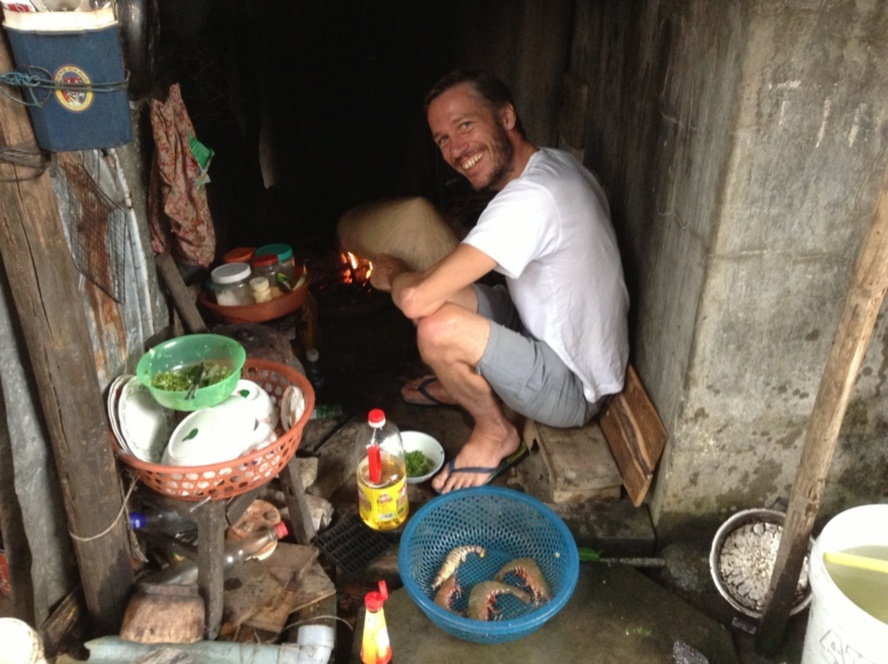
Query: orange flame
{"points": [[355, 269]]}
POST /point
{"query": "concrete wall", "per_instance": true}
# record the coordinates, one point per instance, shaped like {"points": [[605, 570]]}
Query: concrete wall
{"points": [[743, 144]]}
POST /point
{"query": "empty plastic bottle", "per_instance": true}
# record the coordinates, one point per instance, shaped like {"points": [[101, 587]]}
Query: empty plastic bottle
{"points": [[236, 552], [313, 370], [167, 521]]}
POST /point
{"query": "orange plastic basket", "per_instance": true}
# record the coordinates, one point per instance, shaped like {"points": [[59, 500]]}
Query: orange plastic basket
{"points": [[250, 471]]}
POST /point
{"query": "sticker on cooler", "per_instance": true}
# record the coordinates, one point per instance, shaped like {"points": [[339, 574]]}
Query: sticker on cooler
{"points": [[75, 100], [18, 7]]}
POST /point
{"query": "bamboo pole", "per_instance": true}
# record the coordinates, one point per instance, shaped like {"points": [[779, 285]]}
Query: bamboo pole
{"points": [[866, 293]]}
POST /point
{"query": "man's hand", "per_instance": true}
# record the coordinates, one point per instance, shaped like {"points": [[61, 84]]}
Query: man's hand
{"points": [[385, 269]]}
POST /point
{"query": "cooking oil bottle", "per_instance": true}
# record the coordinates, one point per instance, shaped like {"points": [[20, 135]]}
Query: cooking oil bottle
{"points": [[382, 473]]}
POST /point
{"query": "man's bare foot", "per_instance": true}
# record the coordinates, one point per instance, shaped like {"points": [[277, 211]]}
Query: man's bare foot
{"points": [[427, 391], [476, 461]]}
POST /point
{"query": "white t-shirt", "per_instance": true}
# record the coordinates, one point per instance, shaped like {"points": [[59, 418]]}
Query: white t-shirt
{"points": [[550, 233]]}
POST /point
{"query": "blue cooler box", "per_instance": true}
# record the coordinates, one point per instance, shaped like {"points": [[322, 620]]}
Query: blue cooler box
{"points": [[84, 103]]}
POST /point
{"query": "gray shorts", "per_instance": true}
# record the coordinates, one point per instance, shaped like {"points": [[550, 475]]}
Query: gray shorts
{"points": [[524, 372]]}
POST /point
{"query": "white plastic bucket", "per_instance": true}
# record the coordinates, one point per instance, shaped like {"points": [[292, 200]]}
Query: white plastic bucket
{"points": [[19, 643], [838, 629]]}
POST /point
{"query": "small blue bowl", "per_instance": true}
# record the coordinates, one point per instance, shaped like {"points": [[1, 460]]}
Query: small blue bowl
{"points": [[509, 524]]}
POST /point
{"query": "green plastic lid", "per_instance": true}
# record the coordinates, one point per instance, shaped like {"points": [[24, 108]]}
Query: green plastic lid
{"points": [[284, 252]]}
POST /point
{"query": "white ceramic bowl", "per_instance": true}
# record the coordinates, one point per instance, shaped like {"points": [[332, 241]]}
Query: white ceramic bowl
{"points": [[431, 448], [257, 401], [214, 435]]}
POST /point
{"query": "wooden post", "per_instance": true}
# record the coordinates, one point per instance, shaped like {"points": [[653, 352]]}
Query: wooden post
{"points": [[211, 525], [43, 282], [865, 296], [181, 296]]}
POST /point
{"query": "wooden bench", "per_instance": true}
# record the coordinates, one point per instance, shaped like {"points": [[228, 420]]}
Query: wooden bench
{"points": [[619, 448]]}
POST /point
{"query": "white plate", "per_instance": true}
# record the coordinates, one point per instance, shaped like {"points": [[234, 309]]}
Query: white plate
{"points": [[145, 425], [292, 407], [423, 442], [114, 391]]}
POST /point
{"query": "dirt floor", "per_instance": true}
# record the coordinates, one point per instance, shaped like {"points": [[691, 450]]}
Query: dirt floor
{"points": [[367, 359], [367, 351]]}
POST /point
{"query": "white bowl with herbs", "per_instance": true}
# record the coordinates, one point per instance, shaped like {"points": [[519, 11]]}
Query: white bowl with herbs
{"points": [[424, 456]]}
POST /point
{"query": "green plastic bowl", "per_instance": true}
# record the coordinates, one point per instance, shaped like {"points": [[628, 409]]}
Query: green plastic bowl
{"points": [[183, 353]]}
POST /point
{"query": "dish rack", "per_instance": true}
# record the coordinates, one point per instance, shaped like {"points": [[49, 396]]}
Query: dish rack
{"points": [[232, 478]]}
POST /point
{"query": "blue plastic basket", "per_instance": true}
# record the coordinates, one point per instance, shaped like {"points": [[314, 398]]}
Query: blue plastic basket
{"points": [[509, 524]]}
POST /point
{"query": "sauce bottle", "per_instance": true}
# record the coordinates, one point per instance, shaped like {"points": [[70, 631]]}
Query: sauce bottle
{"points": [[375, 645], [381, 473]]}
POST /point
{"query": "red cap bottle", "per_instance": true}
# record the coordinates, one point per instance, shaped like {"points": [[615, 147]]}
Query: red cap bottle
{"points": [[375, 645]]}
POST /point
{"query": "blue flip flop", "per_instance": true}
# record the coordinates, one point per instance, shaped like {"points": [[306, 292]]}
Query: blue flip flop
{"points": [[492, 473], [429, 398]]}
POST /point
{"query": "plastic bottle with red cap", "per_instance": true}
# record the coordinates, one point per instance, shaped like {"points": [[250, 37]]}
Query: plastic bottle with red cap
{"points": [[254, 546], [257, 545], [375, 645], [381, 473]]}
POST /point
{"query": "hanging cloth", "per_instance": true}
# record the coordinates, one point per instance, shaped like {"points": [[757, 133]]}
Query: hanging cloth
{"points": [[178, 213]]}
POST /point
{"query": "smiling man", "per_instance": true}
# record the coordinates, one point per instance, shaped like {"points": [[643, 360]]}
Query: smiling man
{"points": [[552, 343]]}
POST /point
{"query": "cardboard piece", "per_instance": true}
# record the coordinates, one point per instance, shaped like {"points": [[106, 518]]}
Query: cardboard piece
{"points": [[263, 593]]}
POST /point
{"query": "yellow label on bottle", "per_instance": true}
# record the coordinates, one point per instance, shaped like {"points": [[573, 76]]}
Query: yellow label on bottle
{"points": [[383, 506]]}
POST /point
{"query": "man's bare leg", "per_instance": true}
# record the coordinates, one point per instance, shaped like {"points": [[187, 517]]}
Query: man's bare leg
{"points": [[451, 342]]}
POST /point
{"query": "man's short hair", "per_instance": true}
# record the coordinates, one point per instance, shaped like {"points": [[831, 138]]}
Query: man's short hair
{"points": [[491, 89]]}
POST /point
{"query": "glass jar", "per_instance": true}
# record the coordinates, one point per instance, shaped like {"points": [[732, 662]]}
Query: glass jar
{"points": [[260, 289], [286, 262], [230, 284], [266, 266]]}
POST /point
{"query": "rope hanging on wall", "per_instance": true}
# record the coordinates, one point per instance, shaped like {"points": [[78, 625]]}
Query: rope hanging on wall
{"points": [[25, 156], [41, 79]]}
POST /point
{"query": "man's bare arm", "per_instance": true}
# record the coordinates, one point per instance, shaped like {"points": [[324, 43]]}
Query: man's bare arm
{"points": [[419, 294]]}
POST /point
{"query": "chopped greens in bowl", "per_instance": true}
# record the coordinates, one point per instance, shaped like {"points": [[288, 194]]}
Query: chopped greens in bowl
{"points": [[180, 378], [418, 464]]}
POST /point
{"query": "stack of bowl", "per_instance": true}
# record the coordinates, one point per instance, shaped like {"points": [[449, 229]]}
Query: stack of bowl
{"points": [[245, 421]]}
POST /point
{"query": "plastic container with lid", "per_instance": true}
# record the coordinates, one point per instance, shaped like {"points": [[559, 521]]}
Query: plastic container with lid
{"points": [[230, 284], [239, 255], [267, 266], [284, 254]]}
